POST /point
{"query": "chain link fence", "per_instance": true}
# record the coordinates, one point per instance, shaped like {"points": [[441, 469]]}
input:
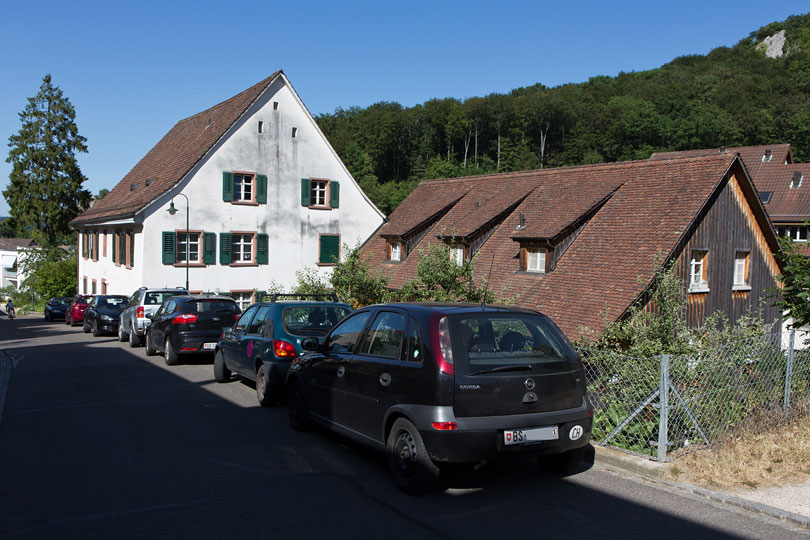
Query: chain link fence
{"points": [[653, 406]]}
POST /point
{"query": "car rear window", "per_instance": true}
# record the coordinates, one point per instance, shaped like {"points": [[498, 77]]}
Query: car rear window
{"points": [[83, 299], [113, 302], [211, 306], [314, 320], [493, 342], [158, 297]]}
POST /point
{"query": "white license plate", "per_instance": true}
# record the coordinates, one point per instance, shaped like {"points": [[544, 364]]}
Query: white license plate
{"points": [[209, 346], [523, 436]]}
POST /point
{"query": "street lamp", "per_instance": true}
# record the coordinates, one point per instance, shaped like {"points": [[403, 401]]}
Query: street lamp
{"points": [[172, 211]]}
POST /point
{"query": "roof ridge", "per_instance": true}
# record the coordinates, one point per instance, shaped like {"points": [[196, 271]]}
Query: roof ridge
{"points": [[264, 82]]}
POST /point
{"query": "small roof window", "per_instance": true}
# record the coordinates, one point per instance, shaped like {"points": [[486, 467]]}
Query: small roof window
{"points": [[766, 196]]}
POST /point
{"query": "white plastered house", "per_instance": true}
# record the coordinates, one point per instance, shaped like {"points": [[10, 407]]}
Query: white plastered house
{"points": [[266, 196]]}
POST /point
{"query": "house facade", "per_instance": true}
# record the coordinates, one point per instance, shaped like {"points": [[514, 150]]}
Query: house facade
{"points": [[11, 275], [263, 191], [583, 244]]}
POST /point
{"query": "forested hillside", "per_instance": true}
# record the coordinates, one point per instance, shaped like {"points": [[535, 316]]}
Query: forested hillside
{"points": [[730, 97]]}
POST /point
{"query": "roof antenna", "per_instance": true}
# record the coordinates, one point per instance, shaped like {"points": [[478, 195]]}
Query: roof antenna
{"points": [[486, 286]]}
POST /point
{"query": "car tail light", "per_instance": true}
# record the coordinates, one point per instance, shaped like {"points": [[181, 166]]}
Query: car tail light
{"points": [[188, 348], [444, 346], [284, 349], [445, 426], [139, 312], [185, 318], [236, 317]]}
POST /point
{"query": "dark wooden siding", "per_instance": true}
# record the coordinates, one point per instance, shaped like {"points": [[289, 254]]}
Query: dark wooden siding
{"points": [[726, 227]]}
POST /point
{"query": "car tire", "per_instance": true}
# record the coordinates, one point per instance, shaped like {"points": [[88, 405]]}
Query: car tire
{"points": [[67, 319], [147, 342], [134, 339], [122, 336], [408, 459], [169, 354], [47, 318], [297, 407], [566, 462], [221, 372], [86, 327], [75, 323], [96, 331], [263, 394]]}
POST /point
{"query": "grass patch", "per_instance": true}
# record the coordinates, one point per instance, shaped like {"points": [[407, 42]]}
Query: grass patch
{"points": [[765, 452]]}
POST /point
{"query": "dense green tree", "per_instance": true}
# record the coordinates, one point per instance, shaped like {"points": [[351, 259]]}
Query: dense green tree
{"points": [[45, 192]]}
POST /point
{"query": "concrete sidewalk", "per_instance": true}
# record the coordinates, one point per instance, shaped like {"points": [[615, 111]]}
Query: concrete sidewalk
{"points": [[790, 502]]}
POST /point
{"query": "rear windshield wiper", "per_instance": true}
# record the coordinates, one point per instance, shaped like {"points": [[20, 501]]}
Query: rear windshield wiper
{"points": [[499, 369]]}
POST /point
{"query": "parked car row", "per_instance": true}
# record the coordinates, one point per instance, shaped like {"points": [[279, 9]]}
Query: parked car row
{"points": [[428, 384]]}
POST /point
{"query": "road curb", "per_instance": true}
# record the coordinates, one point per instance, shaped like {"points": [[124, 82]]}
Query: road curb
{"points": [[652, 470]]}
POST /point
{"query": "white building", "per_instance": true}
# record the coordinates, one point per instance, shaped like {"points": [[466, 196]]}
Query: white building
{"points": [[10, 251], [267, 195]]}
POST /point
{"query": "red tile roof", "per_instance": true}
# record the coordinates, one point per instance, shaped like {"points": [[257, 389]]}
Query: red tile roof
{"points": [[171, 158], [646, 208], [779, 153], [789, 203]]}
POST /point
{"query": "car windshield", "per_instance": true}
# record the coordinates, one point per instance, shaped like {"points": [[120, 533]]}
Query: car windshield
{"points": [[211, 306], [312, 320], [113, 302], [83, 299], [158, 297], [60, 301], [495, 342]]}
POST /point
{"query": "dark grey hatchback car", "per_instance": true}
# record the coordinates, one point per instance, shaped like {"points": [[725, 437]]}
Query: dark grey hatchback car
{"points": [[434, 384]]}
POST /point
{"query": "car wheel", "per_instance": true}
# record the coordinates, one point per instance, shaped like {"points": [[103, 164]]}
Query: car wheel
{"points": [[75, 323], [134, 340], [85, 327], [221, 372], [122, 336], [147, 341], [96, 331], [67, 318], [566, 462], [408, 459], [47, 317], [263, 395], [169, 354], [297, 407]]}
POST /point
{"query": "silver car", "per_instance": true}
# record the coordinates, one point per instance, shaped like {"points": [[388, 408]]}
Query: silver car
{"points": [[133, 321]]}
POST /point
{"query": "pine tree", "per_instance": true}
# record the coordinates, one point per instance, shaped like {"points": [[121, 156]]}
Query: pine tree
{"points": [[45, 191]]}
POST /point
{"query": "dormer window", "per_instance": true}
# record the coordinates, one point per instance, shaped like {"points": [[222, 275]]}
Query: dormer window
{"points": [[796, 181], [536, 260], [457, 254], [395, 251]]}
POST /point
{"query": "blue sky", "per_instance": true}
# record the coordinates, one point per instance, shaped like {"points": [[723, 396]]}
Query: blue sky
{"points": [[133, 69]]}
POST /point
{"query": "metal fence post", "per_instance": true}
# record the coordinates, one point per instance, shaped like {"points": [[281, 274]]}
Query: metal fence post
{"points": [[789, 370], [663, 410]]}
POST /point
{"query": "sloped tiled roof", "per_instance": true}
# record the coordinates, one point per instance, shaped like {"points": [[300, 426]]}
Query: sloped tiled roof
{"points": [[646, 208], [788, 202], [171, 158], [11, 244], [751, 155]]}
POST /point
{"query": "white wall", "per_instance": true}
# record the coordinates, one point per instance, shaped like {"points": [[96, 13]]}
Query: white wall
{"points": [[293, 230]]}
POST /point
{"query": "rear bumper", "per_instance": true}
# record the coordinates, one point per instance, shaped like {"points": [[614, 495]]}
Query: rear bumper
{"points": [[194, 342], [482, 438]]}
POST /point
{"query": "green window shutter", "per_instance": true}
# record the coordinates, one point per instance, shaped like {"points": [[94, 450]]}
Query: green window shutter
{"points": [[261, 189], [334, 194], [122, 247], [262, 248], [114, 245], [169, 243], [227, 186], [209, 248], [224, 248], [305, 192], [330, 249]]}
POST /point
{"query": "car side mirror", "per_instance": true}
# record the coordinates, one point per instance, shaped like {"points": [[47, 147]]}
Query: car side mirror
{"points": [[310, 344], [227, 330], [150, 316]]}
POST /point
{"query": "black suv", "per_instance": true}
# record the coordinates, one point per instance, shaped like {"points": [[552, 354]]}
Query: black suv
{"points": [[446, 383], [185, 325], [268, 336]]}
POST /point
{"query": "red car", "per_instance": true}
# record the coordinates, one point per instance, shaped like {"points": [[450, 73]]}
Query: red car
{"points": [[76, 309]]}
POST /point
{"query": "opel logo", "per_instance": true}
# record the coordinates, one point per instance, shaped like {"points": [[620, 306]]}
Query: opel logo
{"points": [[529, 384]]}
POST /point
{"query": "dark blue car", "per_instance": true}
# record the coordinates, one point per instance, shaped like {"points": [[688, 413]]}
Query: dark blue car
{"points": [[56, 308]]}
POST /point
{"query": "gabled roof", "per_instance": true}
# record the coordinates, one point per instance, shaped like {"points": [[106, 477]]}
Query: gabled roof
{"points": [[11, 244], [631, 212], [172, 157], [751, 155], [788, 202]]}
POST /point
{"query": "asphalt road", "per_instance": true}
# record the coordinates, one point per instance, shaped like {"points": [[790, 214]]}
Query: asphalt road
{"points": [[99, 441]]}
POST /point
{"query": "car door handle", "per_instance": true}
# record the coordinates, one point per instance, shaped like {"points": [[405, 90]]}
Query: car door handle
{"points": [[341, 371], [385, 379]]}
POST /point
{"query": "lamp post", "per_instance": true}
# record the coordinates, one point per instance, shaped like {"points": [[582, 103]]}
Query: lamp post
{"points": [[172, 211]]}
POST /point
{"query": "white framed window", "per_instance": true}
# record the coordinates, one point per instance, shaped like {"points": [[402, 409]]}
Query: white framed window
{"points": [[698, 268], [190, 241], [457, 254], [241, 248], [243, 298], [318, 191], [396, 251], [243, 187], [741, 266], [536, 260]]}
